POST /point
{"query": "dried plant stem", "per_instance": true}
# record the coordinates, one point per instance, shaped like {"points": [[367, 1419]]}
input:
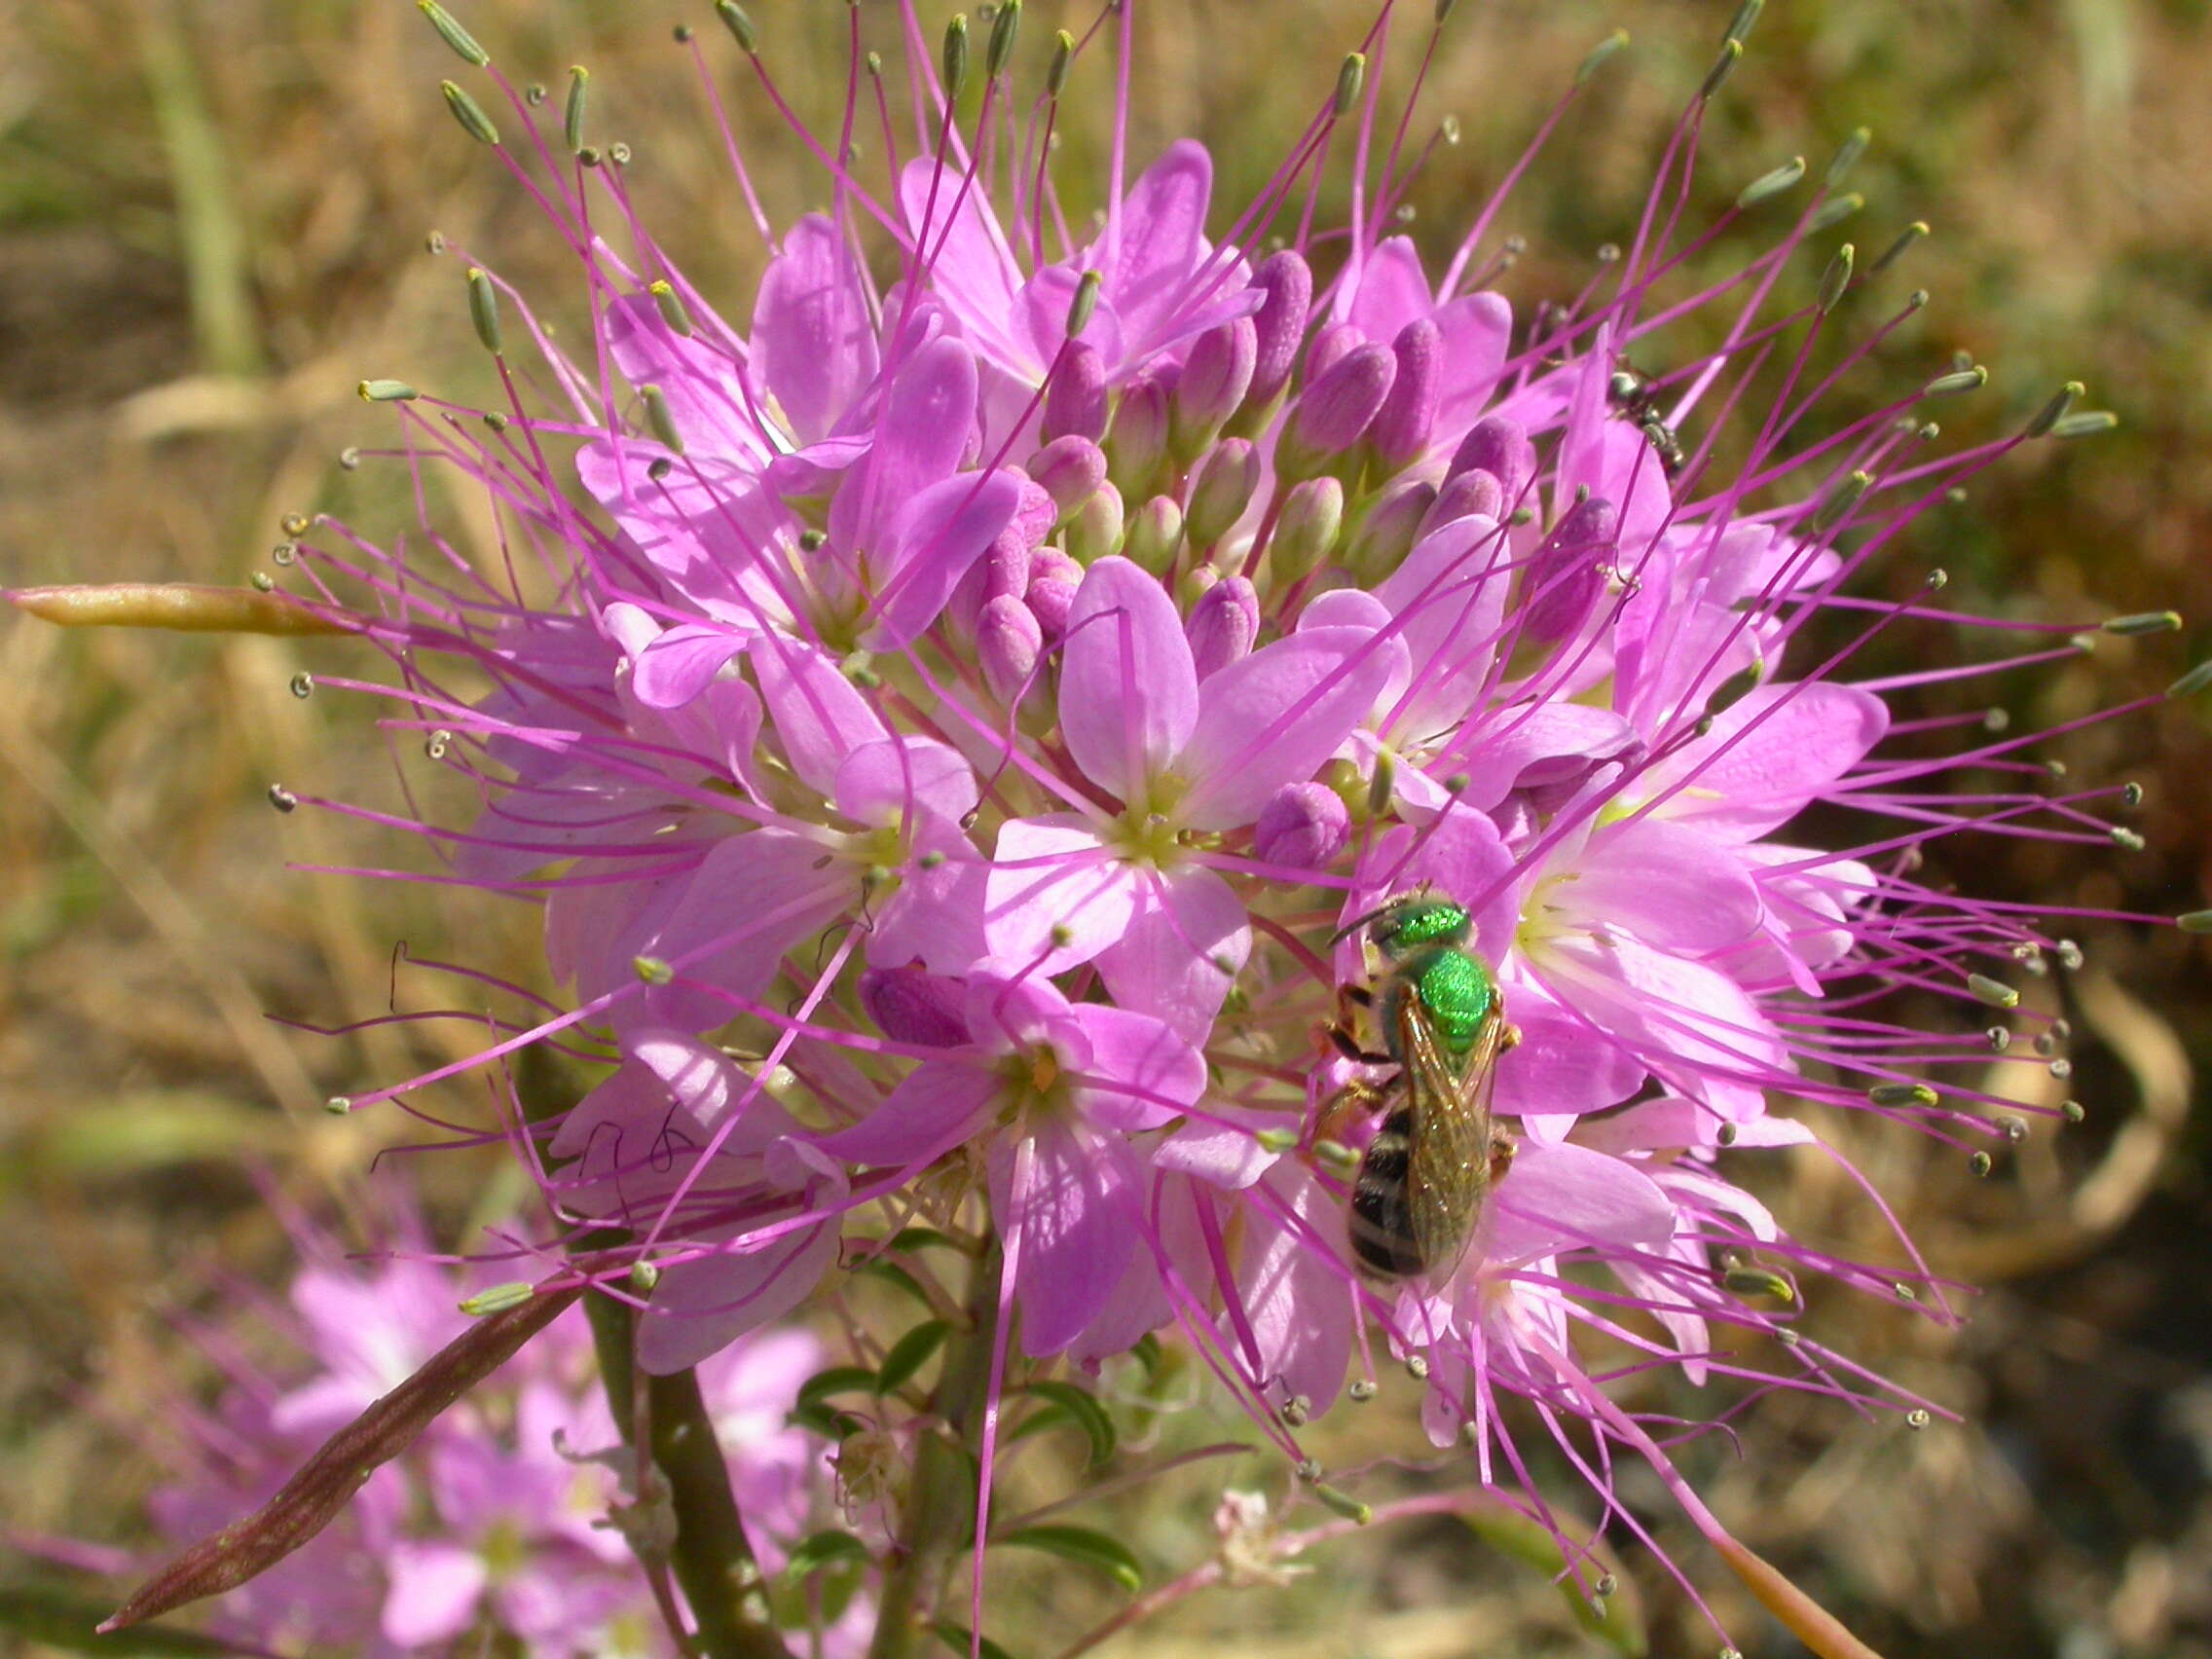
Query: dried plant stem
{"points": [[940, 1497]]}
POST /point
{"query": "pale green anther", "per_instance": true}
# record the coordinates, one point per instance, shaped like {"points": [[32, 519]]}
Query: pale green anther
{"points": [[1276, 1140], [1911, 233], [1382, 784], [653, 969], [1005, 27], [2192, 683], [1351, 74], [573, 116], [1847, 156], [386, 391], [1995, 992], [337, 1105], [658, 417], [670, 303], [2087, 425], [812, 539], [739, 24], [1936, 581], [954, 58], [874, 63], [1748, 13], [2194, 921], [1344, 1504], [1444, 10], [1979, 1166], [1835, 279], [644, 1275], [2125, 839], [1448, 127], [1903, 1094], [1731, 54], [1833, 211], [1771, 183], [1085, 303], [1846, 495], [474, 121], [453, 34], [498, 1297], [1595, 59], [2073, 1111], [484, 310], [2131, 795], [2143, 622], [1758, 1281], [1735, 688], [493, 418], [1957, 382], [1335, 1155], [1063, 59], [2051, 413]]}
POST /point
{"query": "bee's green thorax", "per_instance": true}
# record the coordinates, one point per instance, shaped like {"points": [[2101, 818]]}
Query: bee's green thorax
{"points": [[1416, 922], [1455, 992]]}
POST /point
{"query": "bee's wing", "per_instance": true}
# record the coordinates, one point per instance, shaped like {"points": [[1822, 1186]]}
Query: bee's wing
{"points": [[1448, 1173]]}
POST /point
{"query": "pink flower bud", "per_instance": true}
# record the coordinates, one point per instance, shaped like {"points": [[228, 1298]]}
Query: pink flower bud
{"points": [[1069, 469], [1009, 640], [1155, 534], [1074, 402], [1402, 426], [1303, 826], [1385, 535], [1463, 496], [1566, 577], [1050, 599], [1498, 445], [1306, 534], [1222, 624], [1335, 410], [1221, 488], [1095, 530], [1216, 375], [909, 1005], [1279, 325], [1329, 348], [1139, 438]]}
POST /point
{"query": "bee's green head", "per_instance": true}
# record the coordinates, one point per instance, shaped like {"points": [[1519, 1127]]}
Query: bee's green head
{"points": [[1415, 919]]}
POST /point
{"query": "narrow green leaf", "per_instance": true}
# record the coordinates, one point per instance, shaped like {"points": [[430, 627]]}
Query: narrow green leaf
{"points": [[910, 1353], [962, 1640], [1085, 1410], [837, 1379], [1080, 1544], [832, 1548], [56, 1619]]}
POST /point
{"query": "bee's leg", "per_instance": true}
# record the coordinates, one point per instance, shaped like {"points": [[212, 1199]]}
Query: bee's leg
{"points": [[1349, 1045], [1509, 1038], [1502, 1146], [1358, 1099]]}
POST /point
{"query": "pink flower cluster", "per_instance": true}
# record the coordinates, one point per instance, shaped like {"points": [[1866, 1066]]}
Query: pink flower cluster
{"points": [[964, 698], [500, 1523]]}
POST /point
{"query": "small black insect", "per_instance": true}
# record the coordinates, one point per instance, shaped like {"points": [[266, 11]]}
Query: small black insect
{"points": [[1638, 400]]}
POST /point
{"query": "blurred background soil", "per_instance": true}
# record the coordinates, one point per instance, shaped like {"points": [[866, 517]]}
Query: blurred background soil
{"points": [[211, 222]]}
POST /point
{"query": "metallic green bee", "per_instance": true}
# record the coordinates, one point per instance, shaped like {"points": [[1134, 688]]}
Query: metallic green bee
{"points": [[1421, 1182]]}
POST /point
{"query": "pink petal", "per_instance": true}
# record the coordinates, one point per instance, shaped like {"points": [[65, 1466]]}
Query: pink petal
{"points": [[1562, 1068], [1748, 778], [934, 537], [701, 383], [921, 433], [935, 1107], [1128, 689], [1273, 718], [1295, 1302], [813, 343], [1157, 236], [972, 268], [1477, 329], [1668, 885], [894, 778], [1141, 1074], [1394, 290], [1052, 875], [819, 714], [1182, 944], [1565, 1198], [702, 1306], [433, 1594], [1066, 1195], [683, 662]]}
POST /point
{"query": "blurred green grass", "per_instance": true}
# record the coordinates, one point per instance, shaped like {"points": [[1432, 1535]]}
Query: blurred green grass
{"points": [[209, 218]]}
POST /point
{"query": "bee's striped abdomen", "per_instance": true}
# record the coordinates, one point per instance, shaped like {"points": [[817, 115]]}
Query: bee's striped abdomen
{"points": [[1381, 1225]]}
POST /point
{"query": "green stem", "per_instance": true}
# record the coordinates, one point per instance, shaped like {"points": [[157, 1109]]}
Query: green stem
{"points": [[712, 1559], [940, 1498]]}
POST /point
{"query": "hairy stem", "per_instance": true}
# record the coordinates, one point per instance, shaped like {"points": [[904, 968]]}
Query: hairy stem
{"points": [[712, 1561], [940, 1498]]}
